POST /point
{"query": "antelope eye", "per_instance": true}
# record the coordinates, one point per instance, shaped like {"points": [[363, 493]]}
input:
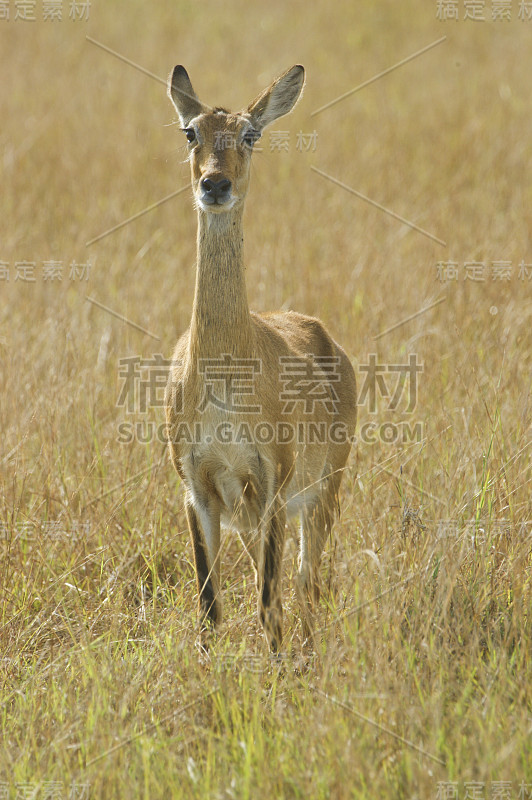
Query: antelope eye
{"points": [[250, 137], [190, 134]]}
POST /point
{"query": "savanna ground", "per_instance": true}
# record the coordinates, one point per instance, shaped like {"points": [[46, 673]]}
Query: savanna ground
{"points": [[425, 636]]}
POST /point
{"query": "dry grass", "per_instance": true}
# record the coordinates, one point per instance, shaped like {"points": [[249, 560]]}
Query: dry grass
{"points": [[426, 608]]}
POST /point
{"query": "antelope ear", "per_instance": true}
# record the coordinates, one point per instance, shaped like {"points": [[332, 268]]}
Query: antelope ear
{"points": [[278, 99], [183, 96]]}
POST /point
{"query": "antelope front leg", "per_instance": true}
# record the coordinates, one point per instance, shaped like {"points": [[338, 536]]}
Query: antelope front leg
{"points": [[206, 545], [270, 600]]}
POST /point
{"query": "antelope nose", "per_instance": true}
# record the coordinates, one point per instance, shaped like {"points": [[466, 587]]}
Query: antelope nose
{"points": [[216, 190]]}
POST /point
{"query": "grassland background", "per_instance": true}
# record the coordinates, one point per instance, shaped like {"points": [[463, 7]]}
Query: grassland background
{"points": [[101, 680]]}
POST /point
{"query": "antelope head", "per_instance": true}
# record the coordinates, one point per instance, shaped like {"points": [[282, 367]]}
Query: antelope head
{"points": [[220, 143]]}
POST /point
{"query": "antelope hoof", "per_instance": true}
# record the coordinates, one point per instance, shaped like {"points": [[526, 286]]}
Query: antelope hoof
{"points": [[272, 621]]}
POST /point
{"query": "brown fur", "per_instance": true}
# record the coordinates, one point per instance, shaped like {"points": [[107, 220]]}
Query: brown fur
{"points": [[248, 485]]}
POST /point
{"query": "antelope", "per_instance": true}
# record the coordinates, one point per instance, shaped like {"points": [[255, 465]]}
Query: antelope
{"points": [[252, 459]]}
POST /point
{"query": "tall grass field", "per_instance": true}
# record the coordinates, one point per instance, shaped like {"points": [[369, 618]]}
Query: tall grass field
{"points": [[395, 203]]}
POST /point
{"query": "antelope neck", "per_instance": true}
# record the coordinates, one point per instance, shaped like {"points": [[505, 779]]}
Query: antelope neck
{"points": [[221, 321]]}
